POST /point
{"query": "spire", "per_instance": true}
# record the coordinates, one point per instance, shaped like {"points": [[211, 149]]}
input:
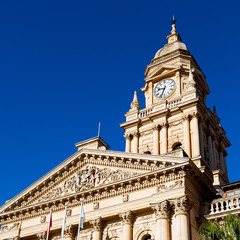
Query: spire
{"points": [[174, 36], [135, 104]]}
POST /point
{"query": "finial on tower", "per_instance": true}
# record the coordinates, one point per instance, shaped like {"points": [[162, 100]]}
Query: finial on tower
{"points": [[135, 104], [174, 36], [173, 20]]}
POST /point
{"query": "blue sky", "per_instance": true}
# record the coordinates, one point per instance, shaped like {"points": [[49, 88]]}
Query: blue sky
{"points": [[65, 66]]}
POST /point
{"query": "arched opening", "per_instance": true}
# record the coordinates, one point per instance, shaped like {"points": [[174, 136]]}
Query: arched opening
{"points": [[147, 237], [147, 152], [177, 146]]}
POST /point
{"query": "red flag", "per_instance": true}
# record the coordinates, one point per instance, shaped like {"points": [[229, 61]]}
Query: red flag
{"points": [[49, 224]]}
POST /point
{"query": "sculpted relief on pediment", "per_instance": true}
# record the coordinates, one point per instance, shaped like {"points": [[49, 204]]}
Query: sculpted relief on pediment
{"points": [[86, 178]]}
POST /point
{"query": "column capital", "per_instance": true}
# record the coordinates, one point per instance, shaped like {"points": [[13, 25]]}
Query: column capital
{"points": [[69, 231], [195, 115], [41, 235], [161, 209], [185, 117], [155, 127], [135, 134], [127, 136], [164, 125], [126, 217], [182, 206], [96, 224]]}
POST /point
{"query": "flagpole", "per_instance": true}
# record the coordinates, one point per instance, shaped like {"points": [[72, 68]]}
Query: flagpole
{"points": [[64, 221], [79, 221], [99, 129], [49, 224]]}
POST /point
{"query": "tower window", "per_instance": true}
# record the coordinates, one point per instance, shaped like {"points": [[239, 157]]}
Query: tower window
{"points": [[147, 152], [147, 237], [177, 146]]}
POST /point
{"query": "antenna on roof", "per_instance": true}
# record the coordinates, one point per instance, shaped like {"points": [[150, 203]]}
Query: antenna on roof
{"points": [[99, 126]]}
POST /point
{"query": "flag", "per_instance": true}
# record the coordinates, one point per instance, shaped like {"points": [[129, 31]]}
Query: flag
{"points": [[49, 224], [64, 221], [81, 220]]}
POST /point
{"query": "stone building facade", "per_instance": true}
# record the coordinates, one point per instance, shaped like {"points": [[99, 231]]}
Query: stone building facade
{"points": [[171, 177]]}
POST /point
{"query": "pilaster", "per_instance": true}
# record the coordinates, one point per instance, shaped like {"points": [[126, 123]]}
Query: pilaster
{"points": [[97, 225], [41, 235], [69, 232]]}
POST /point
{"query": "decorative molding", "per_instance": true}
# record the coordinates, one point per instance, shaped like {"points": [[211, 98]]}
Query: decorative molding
{"points": [[135, 183], [162, 209], [41, 235], [96, 224], [96, 205], [42, 219], [69, 231], [126, 217], [125, 197], [182, 205], [69, 212], [169, 186]]}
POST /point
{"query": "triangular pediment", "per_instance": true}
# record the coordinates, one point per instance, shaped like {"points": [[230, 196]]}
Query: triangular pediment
{"points": [[88, 169], [162, 70]]}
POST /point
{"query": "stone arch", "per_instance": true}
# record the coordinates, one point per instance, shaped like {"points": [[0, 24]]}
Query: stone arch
{"points": [[176, 145], [142, 234]]}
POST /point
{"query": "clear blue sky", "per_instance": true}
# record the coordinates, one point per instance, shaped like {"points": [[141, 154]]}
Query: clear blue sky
{"points": [[67, 65]]}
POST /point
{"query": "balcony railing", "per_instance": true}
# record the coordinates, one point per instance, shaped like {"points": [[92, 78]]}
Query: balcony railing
{"points": [[225, 204]]}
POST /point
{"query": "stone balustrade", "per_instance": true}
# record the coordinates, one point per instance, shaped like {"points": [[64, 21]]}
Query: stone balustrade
{"points": [[222, 205], [174, 103], [145, 112]]}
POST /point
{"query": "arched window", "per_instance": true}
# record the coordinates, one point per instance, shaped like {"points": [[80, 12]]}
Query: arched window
{"points": [[177, 146], [147, 237], [147, 152]]}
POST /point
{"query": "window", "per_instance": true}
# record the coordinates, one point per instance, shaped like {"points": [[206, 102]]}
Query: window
{"points": [[177, 146], [147, 237]]}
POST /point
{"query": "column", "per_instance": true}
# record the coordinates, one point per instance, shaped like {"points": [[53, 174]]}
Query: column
{"points": [[135, 141], [69, 232], [156, 140], [41, 235], [127, 218], [195, 135], [186, 131], [225, 162], [96, 225], [210, 151], [221, 159], [201, 137], [128, 143], [161, 211], [182, 210], [214, 153], [164, 138]]}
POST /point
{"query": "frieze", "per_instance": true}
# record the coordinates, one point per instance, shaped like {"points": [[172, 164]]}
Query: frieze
{"points": [[169, 186], [7, 228], [87, 178]]}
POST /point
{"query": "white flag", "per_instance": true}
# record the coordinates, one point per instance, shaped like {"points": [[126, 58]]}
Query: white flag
{"points": [[81, 220], [64, 221]]}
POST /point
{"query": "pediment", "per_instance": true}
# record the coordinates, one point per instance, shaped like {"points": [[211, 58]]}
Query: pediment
{"points": [[162, 70], [88, 169]]}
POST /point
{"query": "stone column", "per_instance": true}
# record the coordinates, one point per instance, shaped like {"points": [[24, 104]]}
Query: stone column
{"points": [[186, 132], [127, 218], [69, 232], [156, 140], [96, 225], [182, 210], [161, 211], [135, 141], [164, 138], [195, 135], [225, 162], [201, 136], [210, 151], [128, 143], [214, 153], [41, 235]]}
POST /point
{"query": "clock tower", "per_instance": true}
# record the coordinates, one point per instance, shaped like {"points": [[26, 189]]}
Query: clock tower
{"points": [[175, 119]]}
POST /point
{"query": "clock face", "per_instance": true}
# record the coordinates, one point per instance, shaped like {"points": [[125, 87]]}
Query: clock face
{"points": [[164, 88]]}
